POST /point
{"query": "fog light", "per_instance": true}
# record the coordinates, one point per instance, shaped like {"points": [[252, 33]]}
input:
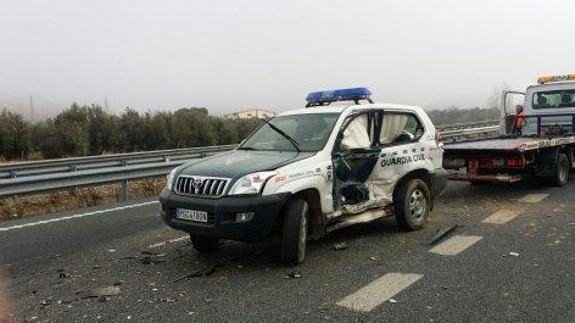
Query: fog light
{"points": [[244, 216]]}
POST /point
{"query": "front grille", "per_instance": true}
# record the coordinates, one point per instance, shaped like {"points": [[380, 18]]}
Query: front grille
{"points": [[201, 186]]}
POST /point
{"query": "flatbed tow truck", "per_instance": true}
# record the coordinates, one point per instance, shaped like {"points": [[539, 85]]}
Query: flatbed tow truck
{"points": [[544, 148]]}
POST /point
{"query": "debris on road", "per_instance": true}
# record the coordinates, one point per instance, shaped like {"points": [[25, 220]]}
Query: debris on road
{"points": [[372, 258], [441, 233], [61, 273], [514, 254], [340, 246], [100, 292], [152, 258], [293, 274], [206, 271], [391, 300]]}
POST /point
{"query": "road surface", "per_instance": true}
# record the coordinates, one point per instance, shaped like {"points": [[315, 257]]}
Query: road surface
{"points": [[511, 259]]}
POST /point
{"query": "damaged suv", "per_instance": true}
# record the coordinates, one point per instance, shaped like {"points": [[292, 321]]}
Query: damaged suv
{"points": [[307, 172]]}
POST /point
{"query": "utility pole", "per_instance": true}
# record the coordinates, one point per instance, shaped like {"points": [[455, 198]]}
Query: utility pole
{"points": [[106, 104], [31, 107]]}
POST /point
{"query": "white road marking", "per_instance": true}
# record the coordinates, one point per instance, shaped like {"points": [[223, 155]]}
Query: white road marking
{"points": [[455, 245], [76, 216], [163, 243], [500, 217], [533, 198], [378, 291]]}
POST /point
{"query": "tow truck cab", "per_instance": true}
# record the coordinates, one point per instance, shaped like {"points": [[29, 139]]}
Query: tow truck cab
{"points": [[542, 147], [309, 171]]}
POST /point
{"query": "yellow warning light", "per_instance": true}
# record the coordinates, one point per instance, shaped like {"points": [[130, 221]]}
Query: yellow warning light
{"points": [[555, 78]]}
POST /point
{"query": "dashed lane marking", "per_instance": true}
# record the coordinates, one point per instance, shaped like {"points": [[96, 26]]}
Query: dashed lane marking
{"points": [[501, 217], [76, 216], [378, 291], [533, 198], [163, 243], [455, 245]]}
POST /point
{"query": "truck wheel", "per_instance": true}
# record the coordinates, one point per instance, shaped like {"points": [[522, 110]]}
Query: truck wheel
{"points": [[295, 231], [412, 204], [561, 173], [204, 243]]}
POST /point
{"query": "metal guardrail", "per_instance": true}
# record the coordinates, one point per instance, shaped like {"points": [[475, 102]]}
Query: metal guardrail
{"points": [[57, 174]]}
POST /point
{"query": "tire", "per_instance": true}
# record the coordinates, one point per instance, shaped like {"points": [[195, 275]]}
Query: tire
{"points": [[412, 204], [295, 231], [561, 172], [204, 243]]}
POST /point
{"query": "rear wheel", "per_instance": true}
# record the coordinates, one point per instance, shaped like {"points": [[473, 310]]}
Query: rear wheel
{"points": [[412, 204], [204, 243], [295, 231], [561, 173]]}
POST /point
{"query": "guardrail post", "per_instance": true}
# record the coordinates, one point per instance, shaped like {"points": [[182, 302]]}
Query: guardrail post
{"points": [[126, 190], [166, 158], [124, 163], [12, 174], [204, 154], [73, 168]]}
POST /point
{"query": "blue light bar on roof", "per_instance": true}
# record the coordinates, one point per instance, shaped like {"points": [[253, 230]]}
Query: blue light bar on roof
{"points": [[353, 94]]}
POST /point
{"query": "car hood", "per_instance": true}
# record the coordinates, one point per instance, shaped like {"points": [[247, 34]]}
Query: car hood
{"points": [[238, 163]]}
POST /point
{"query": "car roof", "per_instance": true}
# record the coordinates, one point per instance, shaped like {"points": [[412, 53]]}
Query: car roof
{"points": [[339, 108]]}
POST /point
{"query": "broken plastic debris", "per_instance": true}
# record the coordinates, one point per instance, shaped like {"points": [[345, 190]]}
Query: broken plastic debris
{"points": [[514, 254], [206, 271], [293, 274], [391, 300], [372, 258], [100, 292], [441, 233], [340, 246]]}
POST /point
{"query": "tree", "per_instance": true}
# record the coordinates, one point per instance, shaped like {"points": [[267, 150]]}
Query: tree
{"points": [[14, 135]]}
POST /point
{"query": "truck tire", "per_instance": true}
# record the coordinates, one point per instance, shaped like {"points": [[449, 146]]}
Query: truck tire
{"points": [[295, 231], [412, 204], [561, 173], [204, 243]]}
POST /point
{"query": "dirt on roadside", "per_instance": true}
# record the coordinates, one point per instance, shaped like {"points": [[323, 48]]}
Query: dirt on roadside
{"points": [[18, 207]]}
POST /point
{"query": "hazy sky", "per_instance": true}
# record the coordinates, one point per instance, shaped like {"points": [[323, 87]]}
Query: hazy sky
{"points": [[233, 54]]}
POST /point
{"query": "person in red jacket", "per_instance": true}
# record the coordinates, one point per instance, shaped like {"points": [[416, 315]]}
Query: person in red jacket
{"points": [[520, 118]]}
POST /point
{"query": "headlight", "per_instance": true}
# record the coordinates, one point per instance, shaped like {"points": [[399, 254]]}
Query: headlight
{"points": [[170, 181], [251, 184]]}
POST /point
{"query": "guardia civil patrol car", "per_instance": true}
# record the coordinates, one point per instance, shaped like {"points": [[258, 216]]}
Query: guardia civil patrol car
{"points": [[307, 172]]}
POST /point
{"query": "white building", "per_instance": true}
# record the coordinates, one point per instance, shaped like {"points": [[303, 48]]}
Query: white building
{"points": [[250, 113]]}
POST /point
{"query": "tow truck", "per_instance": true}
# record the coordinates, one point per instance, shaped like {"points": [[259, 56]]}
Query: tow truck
{"points": [[544, 148], [307, 172]]}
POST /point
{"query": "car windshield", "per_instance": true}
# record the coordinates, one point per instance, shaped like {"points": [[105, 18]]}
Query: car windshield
{"points": [[308, 131], [554, 99]]}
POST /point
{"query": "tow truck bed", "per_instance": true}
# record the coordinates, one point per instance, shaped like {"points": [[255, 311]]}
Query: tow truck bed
{"points": [[519, 144]]}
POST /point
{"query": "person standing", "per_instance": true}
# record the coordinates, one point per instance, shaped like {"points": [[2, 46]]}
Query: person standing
{"points": [[519, 119]]}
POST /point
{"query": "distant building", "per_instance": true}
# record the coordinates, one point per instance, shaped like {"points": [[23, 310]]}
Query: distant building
{"points": [[250, 113]]}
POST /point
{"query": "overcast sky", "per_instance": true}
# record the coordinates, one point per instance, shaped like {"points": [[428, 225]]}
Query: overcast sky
{"points": [[227, 55]]}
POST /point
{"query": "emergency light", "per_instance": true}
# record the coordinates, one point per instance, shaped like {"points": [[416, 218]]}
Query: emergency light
{"points": [[326, 97], [555, 78]]}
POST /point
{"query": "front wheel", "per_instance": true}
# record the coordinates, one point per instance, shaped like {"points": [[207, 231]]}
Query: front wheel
{"points": [[295, 231], [204, 243], [412, 204]]}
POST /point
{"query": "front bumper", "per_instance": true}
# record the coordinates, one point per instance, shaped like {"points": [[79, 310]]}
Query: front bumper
{"points": [[222, 215]]}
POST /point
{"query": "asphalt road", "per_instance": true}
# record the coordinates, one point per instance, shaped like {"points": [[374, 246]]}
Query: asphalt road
{"points": [[514, 266]]}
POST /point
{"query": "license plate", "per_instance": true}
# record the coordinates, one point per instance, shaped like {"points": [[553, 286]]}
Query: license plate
{"points": [[191, 215]]}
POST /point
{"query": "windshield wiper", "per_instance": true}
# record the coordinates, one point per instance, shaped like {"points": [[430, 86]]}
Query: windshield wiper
{"points": [[285, 135]]}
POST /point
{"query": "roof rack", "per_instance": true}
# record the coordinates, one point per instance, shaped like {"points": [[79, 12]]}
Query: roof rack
{"points": [[322, 98]]}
